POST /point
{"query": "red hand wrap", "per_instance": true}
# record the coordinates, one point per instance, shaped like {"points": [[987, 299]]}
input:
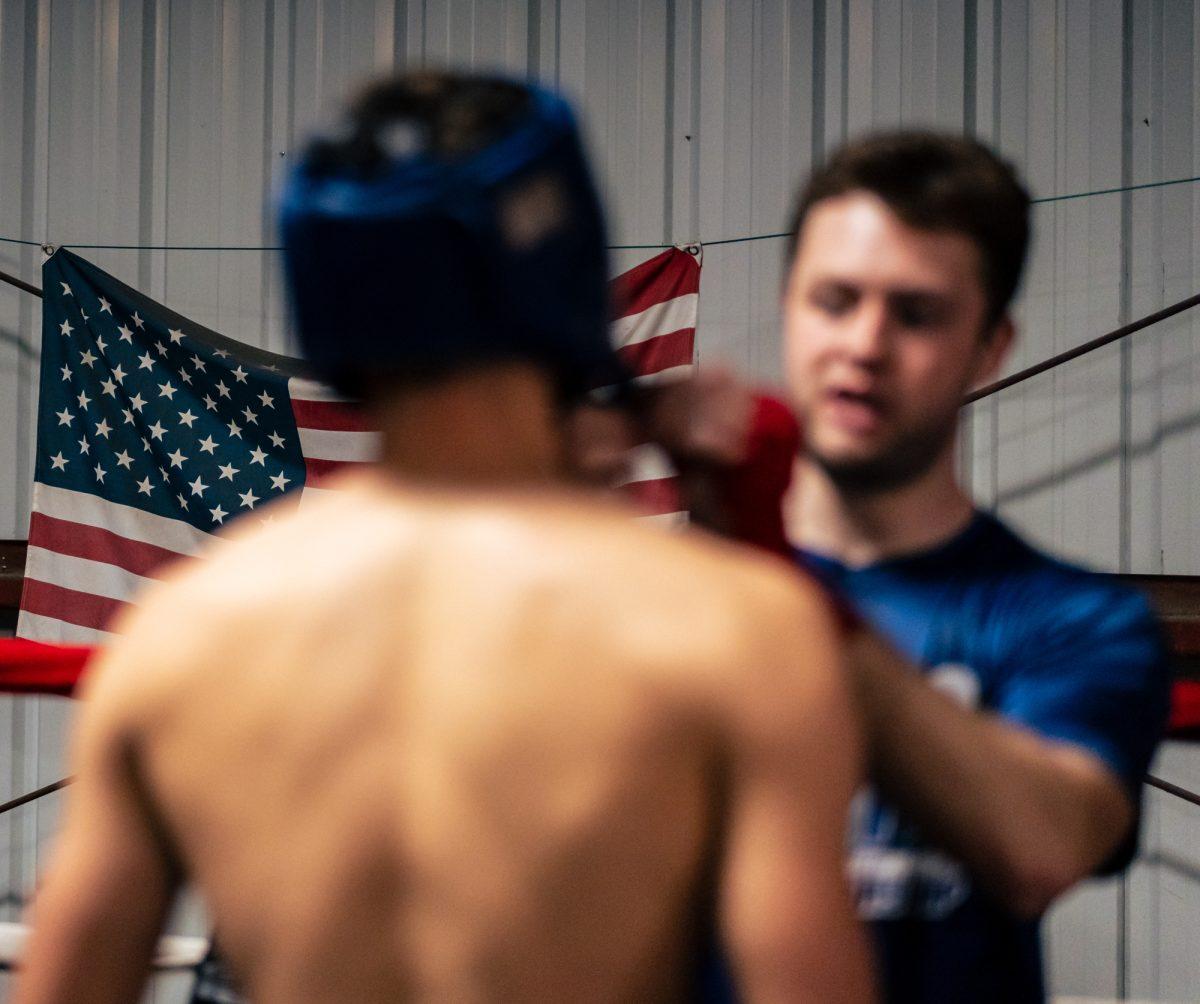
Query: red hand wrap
{"points": [[752, 493]]}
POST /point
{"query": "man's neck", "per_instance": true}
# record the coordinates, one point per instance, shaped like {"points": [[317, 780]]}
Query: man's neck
{"points": [[861, 528], [494, 427]]}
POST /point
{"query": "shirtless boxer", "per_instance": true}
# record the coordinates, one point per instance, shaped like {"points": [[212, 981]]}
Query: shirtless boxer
{"points": [[454, 732]]}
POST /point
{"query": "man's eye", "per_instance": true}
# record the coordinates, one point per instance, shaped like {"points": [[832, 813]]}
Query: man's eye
{"points": [[917, 314], [833, 301]]}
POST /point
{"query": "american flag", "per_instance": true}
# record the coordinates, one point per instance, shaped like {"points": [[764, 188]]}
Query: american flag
{"points": [[155, 432], [655, 334]]}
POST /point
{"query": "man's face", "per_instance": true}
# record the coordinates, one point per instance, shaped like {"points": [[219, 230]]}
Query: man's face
{"points": [[884, 334]]}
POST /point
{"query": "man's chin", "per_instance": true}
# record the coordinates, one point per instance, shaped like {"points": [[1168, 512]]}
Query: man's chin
{"points": [[874, 472]]}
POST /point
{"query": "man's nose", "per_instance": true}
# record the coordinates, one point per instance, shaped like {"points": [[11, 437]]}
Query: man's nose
{"points": [[867, 337]]}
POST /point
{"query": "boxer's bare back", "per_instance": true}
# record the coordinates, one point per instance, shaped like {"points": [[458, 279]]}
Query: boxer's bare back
{"points": [[456, 747]]}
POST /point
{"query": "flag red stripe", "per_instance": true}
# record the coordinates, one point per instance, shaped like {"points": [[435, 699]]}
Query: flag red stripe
{"points": [[664, 277], [655, 498], [330, 416], [82, 541], [70, 605], [318, 469], [660, 352]]}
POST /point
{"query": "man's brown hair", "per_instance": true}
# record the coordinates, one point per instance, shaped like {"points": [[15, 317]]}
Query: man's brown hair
{"points": [[935, 181]]}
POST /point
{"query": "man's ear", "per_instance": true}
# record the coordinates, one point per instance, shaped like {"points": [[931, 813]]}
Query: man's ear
{"points": [[997, 342]]}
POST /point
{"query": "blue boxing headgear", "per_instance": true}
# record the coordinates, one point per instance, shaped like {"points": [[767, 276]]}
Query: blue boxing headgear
{"points": [[419, 261]]}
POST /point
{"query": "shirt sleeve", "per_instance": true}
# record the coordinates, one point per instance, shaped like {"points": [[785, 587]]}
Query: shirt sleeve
{"points": [[1093, 672]]}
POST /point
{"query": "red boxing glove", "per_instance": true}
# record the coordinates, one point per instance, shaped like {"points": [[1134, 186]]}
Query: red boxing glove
{"points": [[32, 667]]}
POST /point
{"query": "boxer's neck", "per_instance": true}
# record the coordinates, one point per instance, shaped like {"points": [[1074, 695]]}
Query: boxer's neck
{"points": [[493, 426], [861, 528]]}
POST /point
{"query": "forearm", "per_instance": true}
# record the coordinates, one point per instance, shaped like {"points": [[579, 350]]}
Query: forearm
{"points": [[93, 936], [1028, 817]]}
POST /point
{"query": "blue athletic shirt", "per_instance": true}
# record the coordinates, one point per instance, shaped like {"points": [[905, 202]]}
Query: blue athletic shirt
{"points": [[1071, 654]]}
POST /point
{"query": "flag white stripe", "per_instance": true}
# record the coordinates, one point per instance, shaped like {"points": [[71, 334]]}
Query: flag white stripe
{"points": [[126, 521], [309, 390], [37, 627], [326, 444], [661, 319], [668, 520], [671, 373], [311, 493], [649, 462], [83, 574]]}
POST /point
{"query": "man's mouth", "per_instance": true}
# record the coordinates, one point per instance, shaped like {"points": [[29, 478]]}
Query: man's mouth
{"points": [[854, 410]]}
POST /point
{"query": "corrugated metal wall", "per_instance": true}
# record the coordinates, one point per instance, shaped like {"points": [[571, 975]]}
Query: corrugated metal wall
{"points": [[152, 122]]}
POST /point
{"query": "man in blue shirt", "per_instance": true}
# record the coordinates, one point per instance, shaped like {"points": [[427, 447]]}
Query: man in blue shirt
{"points": [[1008, 766]]}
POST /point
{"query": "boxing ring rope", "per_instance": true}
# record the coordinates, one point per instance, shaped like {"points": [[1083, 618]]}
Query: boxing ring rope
{"points": [[49, 789], [1172, 789], [1084, 349], [28, 287]]}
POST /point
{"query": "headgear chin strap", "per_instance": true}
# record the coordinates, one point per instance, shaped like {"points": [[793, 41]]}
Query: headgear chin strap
{"points": [[428, 263]]}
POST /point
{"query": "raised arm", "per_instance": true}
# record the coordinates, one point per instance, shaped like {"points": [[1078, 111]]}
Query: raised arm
{"points": [[786, 912], [110, 882]]}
